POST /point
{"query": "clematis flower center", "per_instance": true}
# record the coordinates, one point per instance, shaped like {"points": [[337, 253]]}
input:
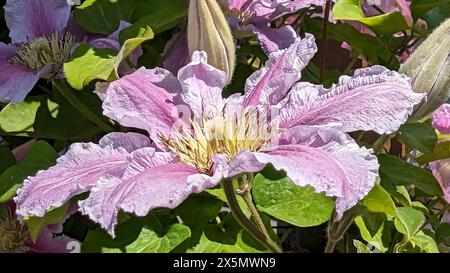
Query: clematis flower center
{"points": [[223, 134], [13, 235], [244, 17], [53, 50]]}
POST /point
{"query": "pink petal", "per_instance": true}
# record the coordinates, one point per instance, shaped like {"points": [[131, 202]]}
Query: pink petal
{"points": [[271, 83], [274, 39], [373, 99], [145, 100], [441, 119], [441, 170], [153, 180], [28, 19], [202, 86], [326, 159], [75, 172]]}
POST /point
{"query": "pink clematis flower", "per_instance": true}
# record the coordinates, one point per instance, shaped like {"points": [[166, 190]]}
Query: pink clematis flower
{"points": [[306, 137], [441, 168], [441, 119]]}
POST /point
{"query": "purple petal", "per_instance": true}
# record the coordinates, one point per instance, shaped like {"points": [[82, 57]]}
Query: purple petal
{"points": [[144, 100], [274, 39], [326, 159], [75, 172], [259, 8], [441, 119], [15, 81], [79, 32], [293, 6], [202, 86], [28, 19], [153, 180], [374, 98], [271, 83], [113, 42], [48, 243], [176, 53], [441, 170]]}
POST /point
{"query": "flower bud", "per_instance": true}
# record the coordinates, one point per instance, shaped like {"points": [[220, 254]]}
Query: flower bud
{"points": [[208, 31], [429, 68]]}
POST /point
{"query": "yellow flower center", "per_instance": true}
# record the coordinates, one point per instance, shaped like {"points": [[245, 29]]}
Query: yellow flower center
{"points": [[13, 235], [223, 134], [38, 53], [244, 17]]}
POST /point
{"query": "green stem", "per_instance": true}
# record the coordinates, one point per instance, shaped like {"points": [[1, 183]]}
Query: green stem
{"points": [[336, 231], [324, 40], [331, 245], [247, 196], [66, 92], [227, 185], [379, 144]]}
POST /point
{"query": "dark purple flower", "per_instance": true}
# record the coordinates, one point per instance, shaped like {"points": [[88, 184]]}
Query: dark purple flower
{"points": [[39, 46]]}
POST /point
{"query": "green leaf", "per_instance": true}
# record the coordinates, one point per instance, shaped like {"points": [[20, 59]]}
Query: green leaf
{"points": [[198, 210], [401, 195], [98, 240], [425, 243], [225, 231], [220, 194], [97, 63], [206, 246], [394, 171], [41, 156], [281, 198], [7, 159], [104, 16], [361, 247], [379, 200], [373, 48], [227, 236], [101, 63], [46, 117], [441, 151], [420, 7], [149, 241], [420, 136], [409, 221], [443, 233], [160, 15], [53, 216], [376, 230], [437, 15], [387, 24], [244, 244], [18, 119]]}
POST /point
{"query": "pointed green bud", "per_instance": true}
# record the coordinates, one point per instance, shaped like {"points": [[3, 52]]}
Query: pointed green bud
{"points": [[429, 69], [208, 31]]}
